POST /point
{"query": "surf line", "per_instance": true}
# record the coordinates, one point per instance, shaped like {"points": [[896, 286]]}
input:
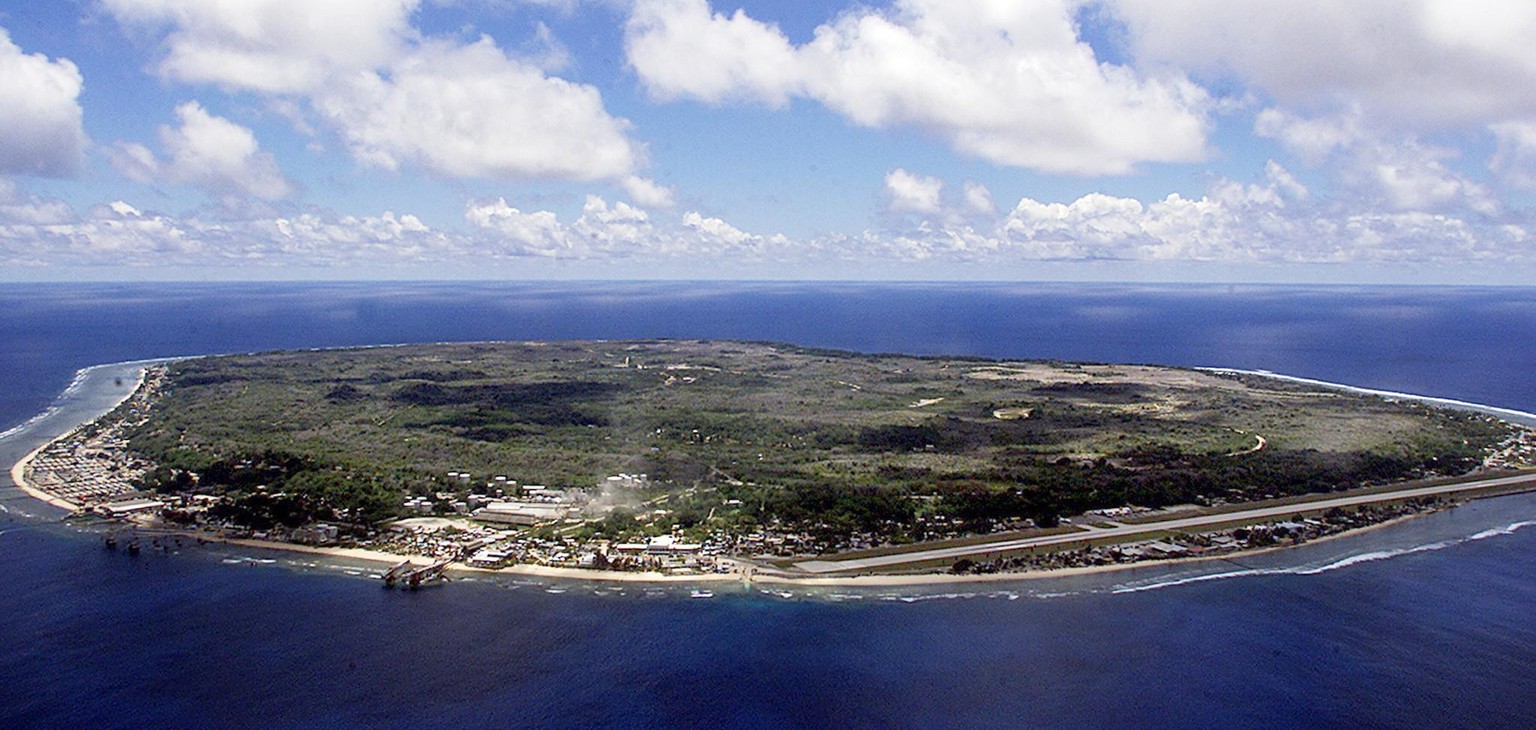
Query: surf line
{"points": [[1524, 417], [1338, 564]]}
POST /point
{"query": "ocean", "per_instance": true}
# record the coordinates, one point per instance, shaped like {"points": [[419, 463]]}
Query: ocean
{"points": [[1424, 624]]}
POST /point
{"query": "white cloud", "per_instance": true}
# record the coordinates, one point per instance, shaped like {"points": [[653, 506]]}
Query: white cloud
{"points": [[1360, 85], [121, 234], [647, 192], [471, 111], [1395, 170], [618, 231], [978, 199], [1285, 184], [396, 99], [18, 207], [1415, 63], [1003, 80], [206, 151], [272, 46], [1271, 221], [911, 193], [1311, 139], [1275, 220], [682, 49], [39, 113], [1515, 159], [545, 51], [538, 233], [1093, 226], [715, 229], [1416, 178], [40, 232], [328, 238]]}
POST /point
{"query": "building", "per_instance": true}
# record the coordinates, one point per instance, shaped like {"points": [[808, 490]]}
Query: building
{"points": [[128, 506], [520, 513]]}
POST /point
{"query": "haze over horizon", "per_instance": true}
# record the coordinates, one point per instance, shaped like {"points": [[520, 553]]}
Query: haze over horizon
{"points": [[1113, 140]]}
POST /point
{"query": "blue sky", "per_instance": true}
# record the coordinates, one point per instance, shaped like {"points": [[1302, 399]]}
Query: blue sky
{"points": [[1303, 140]]}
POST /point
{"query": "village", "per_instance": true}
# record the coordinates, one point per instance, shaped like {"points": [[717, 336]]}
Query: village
{"points": [[92, 467], [501, 523]]}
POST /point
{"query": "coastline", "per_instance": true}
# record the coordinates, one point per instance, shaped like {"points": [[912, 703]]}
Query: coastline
{"points": [[18, 478], [18, 470], [750, 576], [1511, 415], [891, 580]]}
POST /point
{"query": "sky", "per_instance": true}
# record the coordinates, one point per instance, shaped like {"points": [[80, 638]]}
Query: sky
{"points": [[1370, 141]]}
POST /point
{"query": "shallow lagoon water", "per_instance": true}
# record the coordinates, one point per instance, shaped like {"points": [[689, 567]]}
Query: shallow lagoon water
{"points": [[1426, 623]]}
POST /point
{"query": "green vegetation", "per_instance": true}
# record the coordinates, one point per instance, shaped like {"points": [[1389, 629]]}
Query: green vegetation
{"points": [[744, 434]]}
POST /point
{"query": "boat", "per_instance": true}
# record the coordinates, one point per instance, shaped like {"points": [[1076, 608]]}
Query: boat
{"points": [[133, 548], [111, 542]]}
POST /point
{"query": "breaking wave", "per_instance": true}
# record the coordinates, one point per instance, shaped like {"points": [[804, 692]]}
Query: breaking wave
{"points": [[12, 431], [1368, 557], [58, 401]]}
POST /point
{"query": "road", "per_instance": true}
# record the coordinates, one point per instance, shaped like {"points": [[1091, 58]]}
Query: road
{"points": [[1130, 531]]}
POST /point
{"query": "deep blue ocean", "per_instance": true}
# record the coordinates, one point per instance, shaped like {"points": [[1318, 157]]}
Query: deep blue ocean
{"points": [[1431, 623]]}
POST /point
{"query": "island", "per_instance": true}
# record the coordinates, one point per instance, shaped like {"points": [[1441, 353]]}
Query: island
{"points": [[727, 460]]}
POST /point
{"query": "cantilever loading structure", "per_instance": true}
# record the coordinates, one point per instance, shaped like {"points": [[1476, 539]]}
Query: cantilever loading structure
{"points": [[411, 575]]}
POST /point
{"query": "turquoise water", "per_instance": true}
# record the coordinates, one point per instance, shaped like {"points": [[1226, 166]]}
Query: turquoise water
{"points": [[1427, 624]]}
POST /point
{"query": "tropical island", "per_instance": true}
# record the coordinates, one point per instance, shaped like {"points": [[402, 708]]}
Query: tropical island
{"points": [[748, 459]]}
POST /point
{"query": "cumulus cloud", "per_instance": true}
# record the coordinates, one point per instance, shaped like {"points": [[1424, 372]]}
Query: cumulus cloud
{"points": [[911, 193], [472, 111], [272, 46], [39, 113], [538, 232], [122, 234], [206, 151], [1274, 220], [37, 231], [681, 49], [617, 230], [601, 229], [1002, 80], [647, 192], [396, 99]]}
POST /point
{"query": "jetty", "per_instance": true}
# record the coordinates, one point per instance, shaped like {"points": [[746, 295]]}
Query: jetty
{"points": [[412, 576]]}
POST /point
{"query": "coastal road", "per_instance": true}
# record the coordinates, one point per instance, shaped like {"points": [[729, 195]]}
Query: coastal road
{"points": [[820, 567]]}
